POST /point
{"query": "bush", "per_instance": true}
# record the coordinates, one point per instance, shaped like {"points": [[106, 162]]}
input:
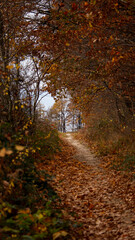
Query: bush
{"points": [[109, 140], [28, 204]]}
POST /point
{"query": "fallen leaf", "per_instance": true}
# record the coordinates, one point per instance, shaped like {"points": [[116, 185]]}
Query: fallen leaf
{"points": [[3, 152], [19, 148], [59, 234]]}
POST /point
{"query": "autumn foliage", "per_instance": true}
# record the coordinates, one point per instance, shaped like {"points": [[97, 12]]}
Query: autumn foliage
{"points": [[83, 48], [93, 48], [95, 45]]}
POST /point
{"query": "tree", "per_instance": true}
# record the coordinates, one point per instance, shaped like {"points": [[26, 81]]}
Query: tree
{"points": [[59, 114], [74, 117], [82, 47], [65, 115], [98, 41], [20, 59], [12, 40]]}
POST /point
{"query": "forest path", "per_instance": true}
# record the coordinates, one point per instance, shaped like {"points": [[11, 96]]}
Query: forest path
{"points": [[110, 213], [103, 199], [83, 152]]}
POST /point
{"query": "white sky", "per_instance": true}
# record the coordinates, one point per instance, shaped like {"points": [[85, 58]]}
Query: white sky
{"points": [[47, 101], [27, 66]]}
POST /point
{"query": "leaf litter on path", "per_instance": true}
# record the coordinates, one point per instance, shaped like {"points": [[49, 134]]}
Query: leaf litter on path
{"points": [[102, 200]]}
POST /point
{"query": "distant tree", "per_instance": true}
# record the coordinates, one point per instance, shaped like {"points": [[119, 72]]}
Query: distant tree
{"points": [[59, 114], [65, 115], [74, 117]]}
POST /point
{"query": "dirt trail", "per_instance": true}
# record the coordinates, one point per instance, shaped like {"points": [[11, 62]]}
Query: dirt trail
{"points": [[83, 152], [103, 199], [111, 210]]}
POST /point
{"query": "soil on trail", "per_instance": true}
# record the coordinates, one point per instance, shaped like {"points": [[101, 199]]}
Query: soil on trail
{"points": [[83, 153], [103, 199]]}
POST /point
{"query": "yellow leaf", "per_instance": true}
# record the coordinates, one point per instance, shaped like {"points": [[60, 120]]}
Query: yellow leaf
{"points": [[67, 44], [3, 152], [9, 67], [111, 37], [121, 57], [24, 211], [48, 136], [59, 234], [17, 66], [40, 216], [90, 25], [12, 184], [19, 148], [44, 229]]}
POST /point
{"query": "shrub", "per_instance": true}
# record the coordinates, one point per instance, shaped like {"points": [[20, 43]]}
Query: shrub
{"points": [[27, 206]]}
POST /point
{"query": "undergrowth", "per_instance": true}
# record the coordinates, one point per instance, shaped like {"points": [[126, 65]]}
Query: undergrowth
{"points": [[28, 209], [115, 144]]}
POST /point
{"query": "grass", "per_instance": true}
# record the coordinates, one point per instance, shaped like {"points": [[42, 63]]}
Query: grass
{"points": [[115, 145]]}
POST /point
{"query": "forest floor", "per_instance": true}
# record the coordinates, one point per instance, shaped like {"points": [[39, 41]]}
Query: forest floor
{"points": [[102, 200]]}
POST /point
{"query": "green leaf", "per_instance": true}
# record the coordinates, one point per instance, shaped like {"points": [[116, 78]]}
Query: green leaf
{"points": [[7, 229]]}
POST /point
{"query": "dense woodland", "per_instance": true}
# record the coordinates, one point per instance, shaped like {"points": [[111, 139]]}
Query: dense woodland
{"points": [[75, 48]]}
